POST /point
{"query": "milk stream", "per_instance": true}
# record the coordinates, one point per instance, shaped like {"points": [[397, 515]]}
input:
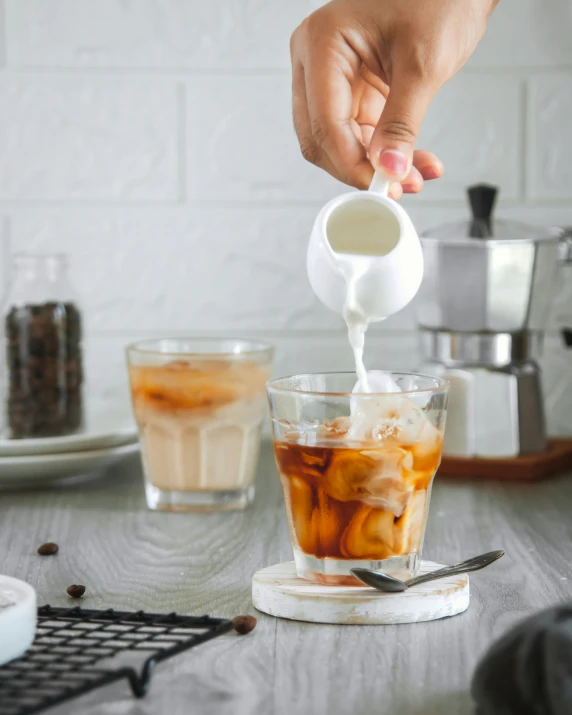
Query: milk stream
{"points": [[357, 322], [358, 236], [365, 414]]}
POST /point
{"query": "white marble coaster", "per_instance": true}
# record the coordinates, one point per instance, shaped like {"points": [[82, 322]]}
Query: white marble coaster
{"points": [[278, 591], [18, 617]]}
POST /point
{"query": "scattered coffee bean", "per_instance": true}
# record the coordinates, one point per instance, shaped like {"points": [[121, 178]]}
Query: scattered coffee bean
{"points": [[76, 591], [244, 624], [48, 549]]}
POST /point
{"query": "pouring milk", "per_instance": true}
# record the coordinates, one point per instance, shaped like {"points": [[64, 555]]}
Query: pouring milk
{"points": [[365, 262]]}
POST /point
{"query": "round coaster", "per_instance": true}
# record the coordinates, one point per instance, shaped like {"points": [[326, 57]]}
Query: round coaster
{"points": [[17, 617], [278, 591]]}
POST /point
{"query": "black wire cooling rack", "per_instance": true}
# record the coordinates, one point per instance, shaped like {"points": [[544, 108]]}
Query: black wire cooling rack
{"points": [[78, 650]]}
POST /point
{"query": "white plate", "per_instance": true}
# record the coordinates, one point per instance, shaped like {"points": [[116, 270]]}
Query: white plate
{"points": [[106, 427], [35, 470]]}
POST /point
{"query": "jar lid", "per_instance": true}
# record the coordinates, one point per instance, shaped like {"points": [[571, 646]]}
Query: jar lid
{"points": [[483, 227]]}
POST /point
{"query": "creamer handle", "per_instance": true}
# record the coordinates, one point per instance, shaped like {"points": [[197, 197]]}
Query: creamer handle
{"points": [[379, 184]]}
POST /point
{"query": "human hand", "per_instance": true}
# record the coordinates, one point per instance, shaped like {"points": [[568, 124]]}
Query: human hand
{"points": [[363, 75]]}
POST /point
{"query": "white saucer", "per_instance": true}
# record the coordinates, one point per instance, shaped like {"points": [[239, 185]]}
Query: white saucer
{"points": [[278, 591], [105, 428], [36, 470]]}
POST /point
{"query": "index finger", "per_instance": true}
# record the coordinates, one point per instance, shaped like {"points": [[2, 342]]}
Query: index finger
{"points": [[330, 72]]}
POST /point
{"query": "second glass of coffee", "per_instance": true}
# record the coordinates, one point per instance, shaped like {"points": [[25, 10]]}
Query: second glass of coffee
{"points": [[199, 406]]}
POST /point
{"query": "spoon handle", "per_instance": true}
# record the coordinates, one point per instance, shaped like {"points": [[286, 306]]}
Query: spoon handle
{"points": [[474, 564]]}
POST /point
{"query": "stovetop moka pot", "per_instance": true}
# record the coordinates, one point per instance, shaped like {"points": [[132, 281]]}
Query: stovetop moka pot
{"points": [[482, 310]]}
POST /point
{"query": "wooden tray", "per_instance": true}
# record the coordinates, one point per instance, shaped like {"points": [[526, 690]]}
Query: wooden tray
{"points": [[527, 467]]}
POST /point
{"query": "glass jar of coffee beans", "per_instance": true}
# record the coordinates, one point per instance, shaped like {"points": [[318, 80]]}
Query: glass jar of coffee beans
{"points": [[43, 350]]}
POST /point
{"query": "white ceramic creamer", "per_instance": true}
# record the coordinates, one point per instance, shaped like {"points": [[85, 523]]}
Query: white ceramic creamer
{"points": [[364, 260]]}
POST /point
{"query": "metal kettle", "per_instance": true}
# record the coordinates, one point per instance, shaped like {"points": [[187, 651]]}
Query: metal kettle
{"points": [[482, 311], [486, 274]]}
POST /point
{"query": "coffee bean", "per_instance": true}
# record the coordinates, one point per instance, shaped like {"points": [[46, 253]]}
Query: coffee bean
{"points": [[48, 549], [244, 624], [76, 591]]}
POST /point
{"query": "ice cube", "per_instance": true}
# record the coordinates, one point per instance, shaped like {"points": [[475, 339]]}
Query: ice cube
{"points": [[427, 448], [364, 411], [378, 381], [407, 419], [408, 529], [335, 429], [304, 433], [409, 384], [374, 477], [364, 418], [387, 488], [387, 416], [347, 474], [369, 534]]}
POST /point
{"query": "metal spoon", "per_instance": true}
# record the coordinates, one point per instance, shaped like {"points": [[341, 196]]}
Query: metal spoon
{"points": [[383, 582]]}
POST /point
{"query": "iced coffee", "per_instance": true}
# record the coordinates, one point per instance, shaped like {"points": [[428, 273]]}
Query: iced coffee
{"points": [[357, 486], [199, 416]]}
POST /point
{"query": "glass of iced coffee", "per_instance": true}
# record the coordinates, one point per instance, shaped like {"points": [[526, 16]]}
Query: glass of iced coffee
{"points": [[199, 406], [357, 470]]}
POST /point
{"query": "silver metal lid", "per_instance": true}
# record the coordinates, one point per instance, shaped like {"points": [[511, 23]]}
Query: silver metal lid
{"points": [[484, 228]]}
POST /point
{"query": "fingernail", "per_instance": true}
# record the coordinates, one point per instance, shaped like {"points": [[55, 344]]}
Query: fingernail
{"points": [[430, 173], [393, 161]]}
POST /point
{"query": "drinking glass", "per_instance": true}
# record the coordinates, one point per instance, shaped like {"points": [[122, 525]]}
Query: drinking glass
{"points": [[199, 404], [357, 470]]}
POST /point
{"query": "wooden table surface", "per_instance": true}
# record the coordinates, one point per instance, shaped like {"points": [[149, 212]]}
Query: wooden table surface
{"points": [[131, 558]]}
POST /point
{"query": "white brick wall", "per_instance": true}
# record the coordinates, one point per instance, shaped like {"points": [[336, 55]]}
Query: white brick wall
{"points": [[83, 138], [151, 34], [152, 141], [242, 144], [550, 109], [475, 126], [526, 33], [2, 34]]}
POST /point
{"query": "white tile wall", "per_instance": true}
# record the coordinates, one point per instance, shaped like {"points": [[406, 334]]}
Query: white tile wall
{"points": [[77, 138], [2, 34], [242, 143], [487, 148], [550, 107], [238, 33], [214, 269], [526, 33], [152, 141], [152, 34]]}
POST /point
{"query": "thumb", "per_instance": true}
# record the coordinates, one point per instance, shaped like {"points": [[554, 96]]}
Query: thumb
{"points": [[393, 141]]}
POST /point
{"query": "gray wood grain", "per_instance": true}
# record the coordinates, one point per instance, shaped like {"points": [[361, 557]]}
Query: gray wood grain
{"points": [[129, 557]]}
